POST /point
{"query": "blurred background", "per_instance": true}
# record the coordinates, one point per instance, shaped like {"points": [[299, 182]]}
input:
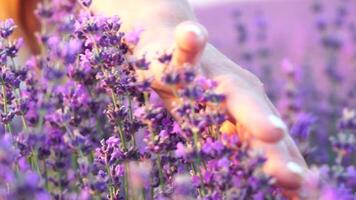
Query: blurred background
{"points": [[303, 50]]}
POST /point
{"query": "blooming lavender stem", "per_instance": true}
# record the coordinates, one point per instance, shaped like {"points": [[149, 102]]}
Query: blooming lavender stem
{"points": [[19, 96], [123, 140], [198, 161], [24, 123], [6, 125]]}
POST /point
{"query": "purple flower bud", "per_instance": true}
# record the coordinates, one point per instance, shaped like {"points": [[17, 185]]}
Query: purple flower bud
{"points": [[7, 28], [133, 36], [71, 50], [86, 3], [302, 127], [142, 64], [171, 78], [165, 58], [12, 48], [44, 11]]}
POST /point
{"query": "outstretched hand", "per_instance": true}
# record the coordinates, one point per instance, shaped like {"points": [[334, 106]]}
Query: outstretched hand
{"points": [[246, 101]]}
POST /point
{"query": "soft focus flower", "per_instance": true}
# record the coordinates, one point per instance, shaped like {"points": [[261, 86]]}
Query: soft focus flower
{"points": [[7, 27], [133, 36]]}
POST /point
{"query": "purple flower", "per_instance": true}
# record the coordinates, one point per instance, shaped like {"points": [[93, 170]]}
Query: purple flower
{"points": [[205, 83], [12, 48], [344, 143], [348, 120], [302, 127], [71, 50], [212, 148], [224, 163], [7, 27], [142, 64], [44, 11], [133, 36], [86, 3], [183, 151], [165, 58]]}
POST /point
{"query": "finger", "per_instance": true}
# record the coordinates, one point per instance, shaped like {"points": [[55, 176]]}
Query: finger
{"points": [[190, 40], [281, 164], [250, 109]]}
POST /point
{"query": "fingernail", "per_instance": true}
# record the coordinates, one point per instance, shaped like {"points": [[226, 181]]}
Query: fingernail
{"points": [[190, 27], [191, 37], [295, 168], [277, 122]]}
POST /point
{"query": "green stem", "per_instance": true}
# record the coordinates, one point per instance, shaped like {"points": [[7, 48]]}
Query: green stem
{"points": [[114, 99], [126, 181], [131, 118], [7, 125], [152, 189], [18, 93], [24, 123], [110, 186], [158, 162], [122, 137], [123, 143], [196, 171], [34, 162], [160, 171], [198, 160], [121, 131], [45, 174], [339, 158]]}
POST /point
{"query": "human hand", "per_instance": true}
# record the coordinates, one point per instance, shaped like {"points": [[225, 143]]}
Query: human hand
{"points": [[246, 101]]}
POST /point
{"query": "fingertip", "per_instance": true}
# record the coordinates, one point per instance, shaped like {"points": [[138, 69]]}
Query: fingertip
{"points": [[190, 36], [269, 129], [277, 128], [295, 168], [288, 175], [294, 176]]}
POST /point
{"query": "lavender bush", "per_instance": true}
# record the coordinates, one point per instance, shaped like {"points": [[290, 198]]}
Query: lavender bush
{"points": [[78, 122]]}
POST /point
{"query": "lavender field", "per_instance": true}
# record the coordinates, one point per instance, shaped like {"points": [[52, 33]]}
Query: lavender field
{"points": [[304, 52], [80, 121]]}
